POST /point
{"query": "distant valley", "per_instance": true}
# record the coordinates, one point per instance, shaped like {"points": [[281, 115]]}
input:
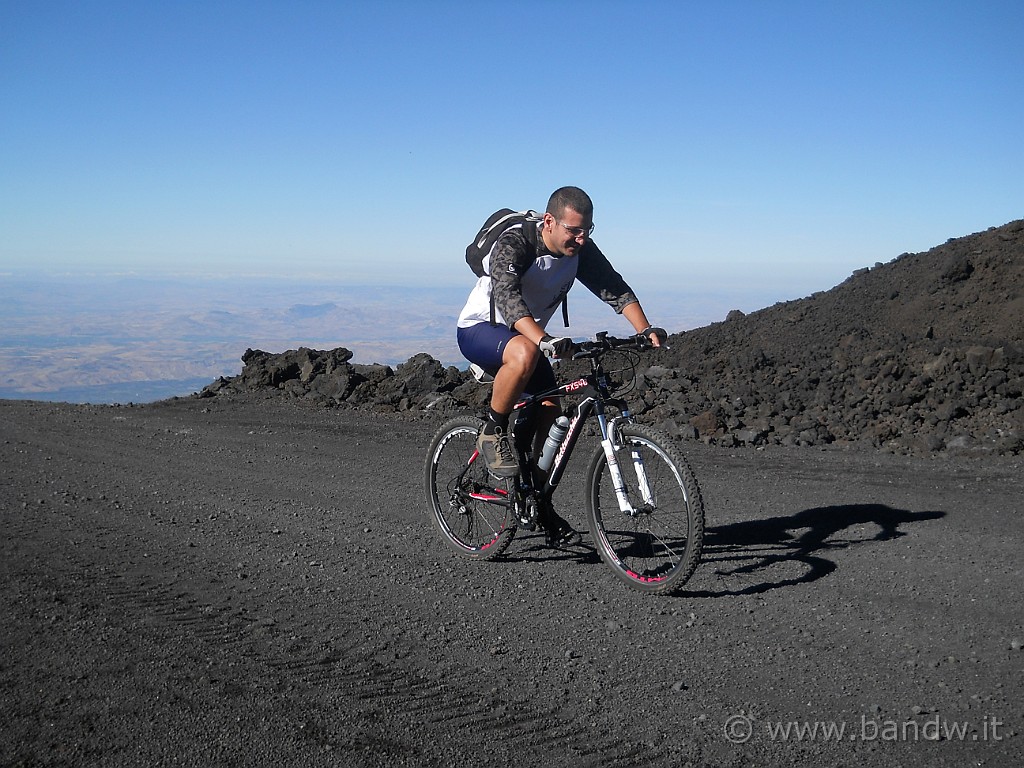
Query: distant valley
{"points": [[126, 338]]}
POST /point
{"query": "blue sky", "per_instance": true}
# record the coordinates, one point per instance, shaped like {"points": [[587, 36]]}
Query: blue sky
{"points": [[767, 148]]}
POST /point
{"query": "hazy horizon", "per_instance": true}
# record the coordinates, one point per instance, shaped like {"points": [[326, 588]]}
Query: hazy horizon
{"points": [[124, 337], [88, 335]]}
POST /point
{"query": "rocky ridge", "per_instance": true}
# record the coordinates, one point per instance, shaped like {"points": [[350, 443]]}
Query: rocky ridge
{"points": [[923, 354]]}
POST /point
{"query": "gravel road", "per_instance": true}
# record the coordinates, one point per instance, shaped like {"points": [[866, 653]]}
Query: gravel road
{"points": [[246, 581]]}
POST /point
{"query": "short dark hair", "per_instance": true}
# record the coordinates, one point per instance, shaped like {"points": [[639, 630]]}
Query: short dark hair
{"points": [[570, 197]]}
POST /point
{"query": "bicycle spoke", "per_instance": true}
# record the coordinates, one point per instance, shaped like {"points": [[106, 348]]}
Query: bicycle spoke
{"points": [[658, 547]]}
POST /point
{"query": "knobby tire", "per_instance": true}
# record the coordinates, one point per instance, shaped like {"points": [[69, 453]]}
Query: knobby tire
{"points": [[473, 527], [657, 550]]}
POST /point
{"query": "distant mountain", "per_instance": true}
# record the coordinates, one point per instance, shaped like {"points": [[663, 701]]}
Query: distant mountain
{"points": [[308, 311]]}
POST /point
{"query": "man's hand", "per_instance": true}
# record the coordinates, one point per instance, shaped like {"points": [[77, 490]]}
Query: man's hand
{"points": [[552, 346], [657, 336]]}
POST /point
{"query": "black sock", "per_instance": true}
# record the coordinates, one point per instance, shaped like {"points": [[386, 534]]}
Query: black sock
{"points": [[495, 419]]}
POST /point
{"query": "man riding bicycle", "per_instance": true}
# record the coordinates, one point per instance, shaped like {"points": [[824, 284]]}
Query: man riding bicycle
{"points": [[529, 275]]}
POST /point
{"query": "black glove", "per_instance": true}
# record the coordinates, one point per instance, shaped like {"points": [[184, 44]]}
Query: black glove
{"points": [[660, 333], [553, 346]]}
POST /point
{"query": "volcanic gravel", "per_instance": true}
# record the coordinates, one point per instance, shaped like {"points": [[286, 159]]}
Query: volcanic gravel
{"points": [[253, 580]]}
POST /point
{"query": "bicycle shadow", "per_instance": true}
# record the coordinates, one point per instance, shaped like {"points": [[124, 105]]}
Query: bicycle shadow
{"points": [[532, 549], [757, 556]]}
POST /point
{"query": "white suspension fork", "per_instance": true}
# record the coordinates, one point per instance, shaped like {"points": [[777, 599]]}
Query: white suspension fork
{"points": [[641, 478], [617, 483], [616, 472]]}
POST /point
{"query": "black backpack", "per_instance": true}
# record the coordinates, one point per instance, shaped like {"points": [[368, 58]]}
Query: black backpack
{"points": [[497, 223], [493, 228]]}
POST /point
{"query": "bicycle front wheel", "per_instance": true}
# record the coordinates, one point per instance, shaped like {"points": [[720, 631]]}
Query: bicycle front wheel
{"points": [[656, 545], [471, 509]]}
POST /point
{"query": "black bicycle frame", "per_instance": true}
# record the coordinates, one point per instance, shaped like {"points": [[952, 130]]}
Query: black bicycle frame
{"points": [[594, 389]]}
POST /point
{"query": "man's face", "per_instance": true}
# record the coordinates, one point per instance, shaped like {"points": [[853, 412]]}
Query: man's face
{"points": [[567, 233]]}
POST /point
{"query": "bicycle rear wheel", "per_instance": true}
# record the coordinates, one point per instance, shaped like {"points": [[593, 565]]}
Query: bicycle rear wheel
{"points": [[657, 548], [471, 509]]}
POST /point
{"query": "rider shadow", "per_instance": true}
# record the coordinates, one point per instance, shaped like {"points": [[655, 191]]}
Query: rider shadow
{"points": [[757, 556], [534, 550]]}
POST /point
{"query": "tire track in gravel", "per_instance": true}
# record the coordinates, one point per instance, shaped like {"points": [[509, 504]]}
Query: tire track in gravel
{"points": [[353, 672], [431, 706]]}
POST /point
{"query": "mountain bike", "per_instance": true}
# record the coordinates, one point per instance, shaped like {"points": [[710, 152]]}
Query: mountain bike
{"points": [[643, 501]]}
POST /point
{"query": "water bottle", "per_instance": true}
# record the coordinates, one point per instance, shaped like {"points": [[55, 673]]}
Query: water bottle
{"points": [[552, 443]]}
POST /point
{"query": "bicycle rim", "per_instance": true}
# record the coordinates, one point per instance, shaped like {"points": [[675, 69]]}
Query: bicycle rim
{"points": [[657, 548], [468, 507]]}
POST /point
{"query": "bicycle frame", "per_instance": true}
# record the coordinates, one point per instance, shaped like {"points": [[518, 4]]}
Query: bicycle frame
{"points": [[596, 396]]}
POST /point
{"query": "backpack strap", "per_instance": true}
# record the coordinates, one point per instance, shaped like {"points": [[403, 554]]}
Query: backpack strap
{"points": [[530, 233]]}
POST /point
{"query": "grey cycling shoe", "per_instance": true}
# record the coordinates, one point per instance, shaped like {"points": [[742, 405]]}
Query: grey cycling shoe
{"points": [[498, 453]]}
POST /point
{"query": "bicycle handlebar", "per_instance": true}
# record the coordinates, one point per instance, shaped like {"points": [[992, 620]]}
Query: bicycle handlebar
{"points": [[603, 343]]}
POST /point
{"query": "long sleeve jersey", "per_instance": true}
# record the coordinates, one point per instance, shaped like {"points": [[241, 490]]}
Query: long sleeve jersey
{"points": [[529, 280]]}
